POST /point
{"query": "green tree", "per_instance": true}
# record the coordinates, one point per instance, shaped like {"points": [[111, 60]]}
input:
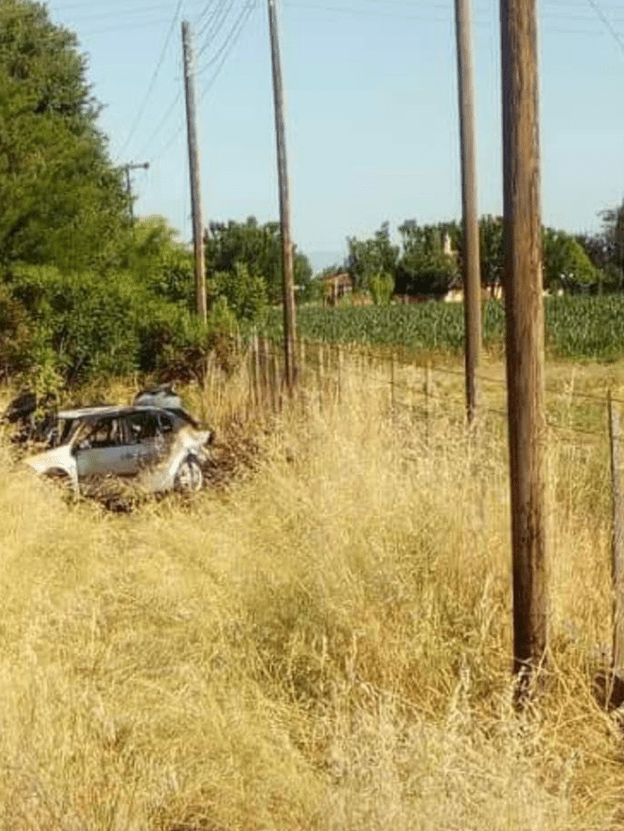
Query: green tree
{"points": [[259, 249], [491, 250], [63, 202], [566, 265], [425, 267], [153, 257], [367, 259], [244, 292]]}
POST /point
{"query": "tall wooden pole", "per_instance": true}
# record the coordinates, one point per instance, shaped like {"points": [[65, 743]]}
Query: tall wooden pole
{"points": [[198, 235], [525, 331], [471, 266], [128, 168], [282, 172], [617, 540]]}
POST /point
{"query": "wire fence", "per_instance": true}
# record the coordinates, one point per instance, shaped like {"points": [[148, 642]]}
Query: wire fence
{"points": [[326, 370]]}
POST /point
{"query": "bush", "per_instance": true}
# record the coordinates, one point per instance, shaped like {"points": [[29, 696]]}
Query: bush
{"points": [[175, 344], [61, 330], [16, 336], [244, 292], [87, 322]]}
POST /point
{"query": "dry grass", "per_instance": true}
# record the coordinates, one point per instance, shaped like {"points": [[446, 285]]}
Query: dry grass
{"points": [[322, 645]]}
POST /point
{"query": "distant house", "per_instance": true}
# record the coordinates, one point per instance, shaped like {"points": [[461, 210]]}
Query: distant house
{"points": [[336, 286], [456, 295]]}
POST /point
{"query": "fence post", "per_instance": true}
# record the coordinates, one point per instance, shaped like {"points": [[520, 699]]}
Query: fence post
{"points": [[340, 370], [275, 382], [302, 359], [428, 391], [256, 372], [266, 379], [210, 371], [321, 373]]}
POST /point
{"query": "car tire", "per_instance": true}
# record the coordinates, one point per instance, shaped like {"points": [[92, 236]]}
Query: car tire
{"points": [[189, 477]]}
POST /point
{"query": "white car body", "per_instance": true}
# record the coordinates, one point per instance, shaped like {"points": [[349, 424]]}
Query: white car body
{"points": [[162, 448]]}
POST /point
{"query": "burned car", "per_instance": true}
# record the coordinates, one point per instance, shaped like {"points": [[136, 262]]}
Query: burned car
{"points": [[163, 448]]}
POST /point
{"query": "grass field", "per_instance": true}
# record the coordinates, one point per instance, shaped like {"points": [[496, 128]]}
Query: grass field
{"points": [[581, 328], [324, 643]]}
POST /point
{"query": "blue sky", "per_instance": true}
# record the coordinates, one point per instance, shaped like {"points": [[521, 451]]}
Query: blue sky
{"points": [[372, 119]]}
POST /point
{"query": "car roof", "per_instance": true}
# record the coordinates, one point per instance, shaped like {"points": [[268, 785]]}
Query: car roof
{"points": [[105, 410]]}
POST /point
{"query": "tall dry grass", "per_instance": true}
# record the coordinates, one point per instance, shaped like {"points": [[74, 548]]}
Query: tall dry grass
{"points": [[324, 644]]}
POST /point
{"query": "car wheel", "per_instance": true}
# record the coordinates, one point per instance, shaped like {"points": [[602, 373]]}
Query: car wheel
{"points": [[189, 476]]}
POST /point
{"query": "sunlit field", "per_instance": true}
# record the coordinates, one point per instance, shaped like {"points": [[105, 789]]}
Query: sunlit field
{"points": [[323, 640], [578, 327]]}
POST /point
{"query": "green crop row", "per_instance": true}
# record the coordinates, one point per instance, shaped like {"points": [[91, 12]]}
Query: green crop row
{"points": [[576, 327]]}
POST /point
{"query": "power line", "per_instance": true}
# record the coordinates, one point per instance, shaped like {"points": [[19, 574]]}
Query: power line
{"points": [[212, 27], [231, 37], [163, 121], [355, 13], [214, 23], [605, 20], [230, 43], [150, 88], [204, 11]]}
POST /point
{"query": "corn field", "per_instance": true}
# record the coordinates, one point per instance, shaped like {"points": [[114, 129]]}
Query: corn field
{"points": [[589, 328]]}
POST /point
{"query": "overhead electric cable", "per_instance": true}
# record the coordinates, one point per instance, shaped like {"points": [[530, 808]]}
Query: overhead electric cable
{"points": [[167, 115], [208, 85], [231, 38], [214, 22], [150, 88], [215, 25], [204, 11], [355, 12], [605, 20], [231, 43]]}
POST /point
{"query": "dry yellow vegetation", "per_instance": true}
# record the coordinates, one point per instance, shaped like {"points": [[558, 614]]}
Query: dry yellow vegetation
{"points": [[325, 644]]}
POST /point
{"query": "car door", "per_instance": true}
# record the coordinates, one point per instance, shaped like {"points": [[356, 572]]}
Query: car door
{"points": [[102, 449], [145, 437]]}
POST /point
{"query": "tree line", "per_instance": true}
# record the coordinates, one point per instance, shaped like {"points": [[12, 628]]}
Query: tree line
{"points": [[428, 259]]}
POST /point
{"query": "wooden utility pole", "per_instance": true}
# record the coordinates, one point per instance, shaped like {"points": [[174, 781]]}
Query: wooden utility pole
{"points": [[282, 172], [128, 168], [198, 236], [471, 265], [617, 541], [525, 332]]}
